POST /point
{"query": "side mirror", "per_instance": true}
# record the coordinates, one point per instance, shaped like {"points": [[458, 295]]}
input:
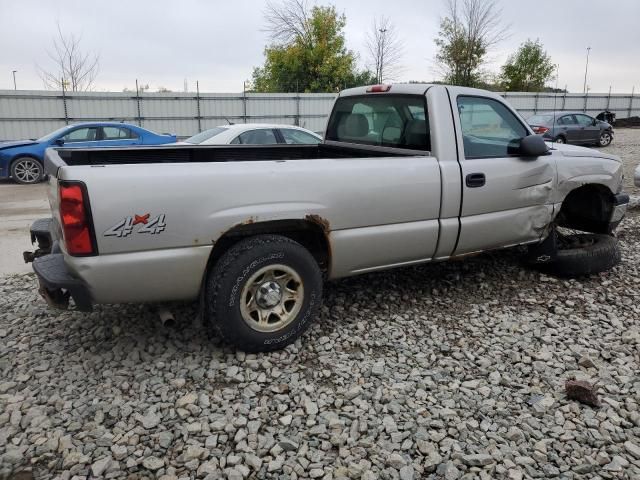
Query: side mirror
{"points": [[59, 141], [595, 122], [533, 146]]}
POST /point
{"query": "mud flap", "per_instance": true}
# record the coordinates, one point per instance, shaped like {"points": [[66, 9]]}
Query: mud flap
{"points": [[543, 252]]}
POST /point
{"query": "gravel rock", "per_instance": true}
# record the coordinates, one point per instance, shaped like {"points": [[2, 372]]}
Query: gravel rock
{"points": [[153, 463], [477, 460]]}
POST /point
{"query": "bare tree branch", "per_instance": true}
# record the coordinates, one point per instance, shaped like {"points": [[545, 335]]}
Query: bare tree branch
{"points": [[470, 29], [384, 50], [71, 68], [288, 21]]}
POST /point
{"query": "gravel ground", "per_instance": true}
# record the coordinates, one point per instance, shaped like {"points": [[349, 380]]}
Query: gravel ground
{"points": [[452, 370], [626, 144]]}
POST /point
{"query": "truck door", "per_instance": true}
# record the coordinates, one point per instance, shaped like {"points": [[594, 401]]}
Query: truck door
{"points": [[506, 198]]}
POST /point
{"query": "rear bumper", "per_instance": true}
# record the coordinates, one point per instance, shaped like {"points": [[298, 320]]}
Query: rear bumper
{"points": [[57, 283]]}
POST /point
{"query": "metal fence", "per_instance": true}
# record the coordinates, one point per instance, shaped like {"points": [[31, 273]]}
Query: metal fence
{"points": [[30, 114]]}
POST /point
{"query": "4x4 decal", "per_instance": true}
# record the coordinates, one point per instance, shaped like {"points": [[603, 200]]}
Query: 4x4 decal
{"points": [[125, 227]]}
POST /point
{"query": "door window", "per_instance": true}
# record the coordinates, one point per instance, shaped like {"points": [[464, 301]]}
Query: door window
{"points": [[489, 128], [81, 135], [584, 120], [262, 136], [292, 136], [117, 133], [567, 120]]}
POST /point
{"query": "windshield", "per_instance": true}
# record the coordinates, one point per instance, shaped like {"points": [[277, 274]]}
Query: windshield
{"points": [[206, 135], [52, 135], [385, 120], [540, 119]]}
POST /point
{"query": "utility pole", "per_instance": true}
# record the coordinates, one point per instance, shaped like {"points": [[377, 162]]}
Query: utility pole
{"points": [[14, 79], [383, 34], [586, 68]]}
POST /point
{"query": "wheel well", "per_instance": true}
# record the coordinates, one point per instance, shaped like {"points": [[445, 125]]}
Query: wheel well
{"points": [[587, 208], [311, 234]]}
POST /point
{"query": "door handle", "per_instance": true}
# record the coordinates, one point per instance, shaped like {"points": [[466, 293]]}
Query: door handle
{"points": [[474, 180]]}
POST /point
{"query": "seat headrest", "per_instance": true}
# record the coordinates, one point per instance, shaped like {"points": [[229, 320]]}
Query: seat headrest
{"points": [[354, 125]]}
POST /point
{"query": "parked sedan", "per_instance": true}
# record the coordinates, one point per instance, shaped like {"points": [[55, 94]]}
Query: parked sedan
{"points": [[255, 134], [572, 127], [23, 160]]}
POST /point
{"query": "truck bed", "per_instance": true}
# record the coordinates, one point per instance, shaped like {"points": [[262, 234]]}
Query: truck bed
{"points": [[223, 153]]}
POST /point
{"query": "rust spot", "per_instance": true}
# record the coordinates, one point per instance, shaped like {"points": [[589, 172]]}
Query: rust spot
{"points": [[318, 220]]}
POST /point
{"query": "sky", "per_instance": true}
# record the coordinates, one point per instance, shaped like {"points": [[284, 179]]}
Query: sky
{"points": [[218, 43]]}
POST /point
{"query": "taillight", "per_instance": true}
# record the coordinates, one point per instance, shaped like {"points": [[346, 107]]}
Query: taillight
{"points": [[540, 129], [75, 219], [378, 88]]}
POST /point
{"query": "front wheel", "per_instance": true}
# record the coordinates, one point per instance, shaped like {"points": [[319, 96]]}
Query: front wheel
{"points": [[605, 139], [27, 170], [560, 139], [263, 292], [583, 254]]}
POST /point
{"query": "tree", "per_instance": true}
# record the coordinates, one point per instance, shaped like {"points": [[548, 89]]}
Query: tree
{"points": [[308, 52], [528, 69], [467, 34], [384, 49], [72, 69]]}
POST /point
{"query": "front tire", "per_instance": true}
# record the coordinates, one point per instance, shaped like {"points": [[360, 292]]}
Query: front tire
{"points": [[27, 170], [605, 139], [584, 254], [262, 294], [560, 139]]}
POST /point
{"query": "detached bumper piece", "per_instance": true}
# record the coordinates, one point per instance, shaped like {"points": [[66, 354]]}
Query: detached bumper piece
{"points": [[619, 210], [40, 234], [57, 284]]}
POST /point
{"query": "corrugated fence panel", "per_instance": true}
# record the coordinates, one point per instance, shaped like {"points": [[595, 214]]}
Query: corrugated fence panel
{"points": [[30, 114]]}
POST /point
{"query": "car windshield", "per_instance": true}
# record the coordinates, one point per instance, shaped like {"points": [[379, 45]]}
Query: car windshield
{"points": [[54, 134], [540, 119], [206, 135]]}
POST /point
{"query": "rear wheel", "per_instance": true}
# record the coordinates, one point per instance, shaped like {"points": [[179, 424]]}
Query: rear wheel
{"points": [[560, 139], [580, 254], [605, 139], [27, 170], [263, 292]]}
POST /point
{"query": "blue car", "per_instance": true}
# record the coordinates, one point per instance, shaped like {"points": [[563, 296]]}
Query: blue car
{"points": [[23, 160]]}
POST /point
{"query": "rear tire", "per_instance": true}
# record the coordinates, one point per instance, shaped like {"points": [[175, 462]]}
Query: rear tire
{"points": [[262, 294], [27, 170], [584, 254]]}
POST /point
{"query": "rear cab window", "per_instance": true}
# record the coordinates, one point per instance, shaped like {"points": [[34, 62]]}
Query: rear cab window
{"points": [[381, 119]]}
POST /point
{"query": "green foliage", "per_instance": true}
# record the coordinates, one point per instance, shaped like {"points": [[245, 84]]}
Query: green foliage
{"points": [[460, 54], [314, 60], [528, 69]]}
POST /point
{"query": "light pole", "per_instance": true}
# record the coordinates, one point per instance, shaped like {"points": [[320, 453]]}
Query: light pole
{"points": [[14, 79], [383, 34], [586, 68]]}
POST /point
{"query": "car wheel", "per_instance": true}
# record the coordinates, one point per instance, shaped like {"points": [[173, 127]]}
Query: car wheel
{"points": [[262, 294], [560, 139], [583, 254], [605, 139], [27, 170]]}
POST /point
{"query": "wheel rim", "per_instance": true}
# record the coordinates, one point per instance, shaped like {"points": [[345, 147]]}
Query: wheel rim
{"points": [[27, 171], [605, 139], [271, 298], [559, 140]]}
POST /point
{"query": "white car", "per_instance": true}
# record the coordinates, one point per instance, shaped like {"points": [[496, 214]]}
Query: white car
{"points": [[255, 134]]}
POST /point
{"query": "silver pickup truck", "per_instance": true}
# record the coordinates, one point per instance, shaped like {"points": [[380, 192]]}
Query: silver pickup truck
{"points": [[406, 174]]}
